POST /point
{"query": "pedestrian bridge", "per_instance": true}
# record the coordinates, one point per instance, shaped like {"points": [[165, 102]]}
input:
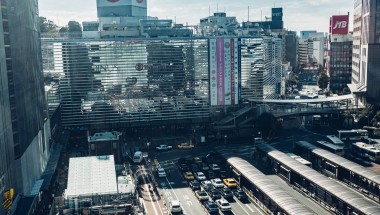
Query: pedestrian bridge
{"points": [[287, 107]]}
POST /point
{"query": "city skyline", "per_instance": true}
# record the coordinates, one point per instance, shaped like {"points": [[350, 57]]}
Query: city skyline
{"points": [[61, 12]]}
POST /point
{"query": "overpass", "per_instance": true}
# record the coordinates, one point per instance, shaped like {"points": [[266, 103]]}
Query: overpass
{"points": [[287, 107]]}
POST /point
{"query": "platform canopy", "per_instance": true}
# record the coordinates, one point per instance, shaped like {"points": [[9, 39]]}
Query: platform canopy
{"points": [[91, 176]]}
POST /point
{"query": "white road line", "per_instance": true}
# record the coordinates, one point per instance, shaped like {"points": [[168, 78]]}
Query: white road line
{"points": [[237, 201]]}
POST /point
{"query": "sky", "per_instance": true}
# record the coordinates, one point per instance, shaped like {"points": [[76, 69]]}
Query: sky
{"points": [[298, 14]]}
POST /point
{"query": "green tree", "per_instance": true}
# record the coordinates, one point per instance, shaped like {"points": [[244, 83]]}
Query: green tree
{"points": [[63, 30], [47, 26], [294, 79], [74, 27], [323, 80]]}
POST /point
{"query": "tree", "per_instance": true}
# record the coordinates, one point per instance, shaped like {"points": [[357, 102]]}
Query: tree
{"points": [[63, 30], [294, 79], [47, 26], [323, 80], [74, 27]]}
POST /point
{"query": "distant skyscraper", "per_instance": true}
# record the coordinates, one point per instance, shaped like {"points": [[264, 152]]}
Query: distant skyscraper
{"points": [[366, 52], [291, 48], [24, 126]]}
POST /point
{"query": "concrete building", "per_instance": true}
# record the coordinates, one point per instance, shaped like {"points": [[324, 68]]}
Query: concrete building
{"points": [[218, 25], [105, 143], [311, 49], [366, 52], [339, 54], [24, 126]]}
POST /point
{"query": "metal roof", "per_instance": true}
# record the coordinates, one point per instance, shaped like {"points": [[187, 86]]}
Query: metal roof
{"points": [[343, 162], [267, 186], [334, 188]]}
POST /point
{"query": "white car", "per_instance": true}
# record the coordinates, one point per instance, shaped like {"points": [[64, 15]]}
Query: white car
{"points": [[223, 205], [206, 185], [175, 206], [201, 195], [217, 183], [161, 172], [200, 176], [163, 147], [215, 167]]}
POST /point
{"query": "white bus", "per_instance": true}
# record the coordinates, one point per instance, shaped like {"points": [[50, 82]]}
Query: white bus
{"points": [[366, 151], [334, 140], [354, 134], [336, 149]]}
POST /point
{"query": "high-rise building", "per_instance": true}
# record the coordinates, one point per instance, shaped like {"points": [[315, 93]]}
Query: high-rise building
{"points": [[24, 125], [366, 52], [339, 54], [218, 24], [311, 49], [291, 48]]}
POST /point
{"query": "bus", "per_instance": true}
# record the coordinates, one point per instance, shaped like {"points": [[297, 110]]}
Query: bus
{"points": [[336, 149], [366, 151], [354, 134], [334, 140]]}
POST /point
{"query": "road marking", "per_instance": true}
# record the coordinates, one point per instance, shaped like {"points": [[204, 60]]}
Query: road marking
{"points": [[237, 201]]}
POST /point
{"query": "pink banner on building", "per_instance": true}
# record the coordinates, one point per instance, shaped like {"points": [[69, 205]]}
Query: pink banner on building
{"points": [[232, 49], [220, 70]]}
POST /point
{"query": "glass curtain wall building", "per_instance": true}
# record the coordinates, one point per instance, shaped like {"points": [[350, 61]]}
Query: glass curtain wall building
{"points": [[138, 82]]}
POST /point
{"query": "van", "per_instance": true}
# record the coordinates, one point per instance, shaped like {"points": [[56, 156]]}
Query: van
{"points": [[138, 157]]}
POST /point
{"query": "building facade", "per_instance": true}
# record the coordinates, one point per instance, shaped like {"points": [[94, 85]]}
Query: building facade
{"points": [[136, 82], [24, 124], [291, 48], [366, 58]]}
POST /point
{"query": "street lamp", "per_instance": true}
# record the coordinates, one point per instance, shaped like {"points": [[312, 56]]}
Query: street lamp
{"points": [[225, 139]]}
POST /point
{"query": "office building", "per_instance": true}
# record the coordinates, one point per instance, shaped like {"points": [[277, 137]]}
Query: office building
{"points": [[137, 82], [366, 52], [291, 48], [339, 54], [311, 48], [25, 126], [218, 25], [274, 23]]}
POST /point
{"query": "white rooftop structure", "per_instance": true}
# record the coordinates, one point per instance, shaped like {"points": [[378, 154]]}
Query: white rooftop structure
{"points": [[104, 136], [89, 176]]}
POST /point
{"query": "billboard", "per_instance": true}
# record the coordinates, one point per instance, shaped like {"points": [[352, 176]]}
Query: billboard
{"points": [[339, 24], [224, 71]]}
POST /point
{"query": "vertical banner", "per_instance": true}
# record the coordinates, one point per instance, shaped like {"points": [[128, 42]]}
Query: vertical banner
{"points": [[224, 71], [227, 72], [213, 78], [236, 70], [220, 70]]}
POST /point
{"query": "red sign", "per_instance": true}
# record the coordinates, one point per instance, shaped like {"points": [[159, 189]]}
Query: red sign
{"points": [[339, 24]]}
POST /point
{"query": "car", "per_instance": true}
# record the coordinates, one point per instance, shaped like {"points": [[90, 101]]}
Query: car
{"points": [[183, 167], [217, 183], [227, 193], [194, 167], [204, 166], [197, 160], [200, 176], [185, 146], [214, 194], [188, 176], [161, 172], [201, 195], [211, 174], [175, 206], [195, 185], [206, 185], [223, 205], [230, 182], [240, 194], [163, 148], [211, 207], [214, 167]]}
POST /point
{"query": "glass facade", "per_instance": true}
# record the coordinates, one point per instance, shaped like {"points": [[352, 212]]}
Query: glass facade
{"points": [[340, 65], [138, 82]]}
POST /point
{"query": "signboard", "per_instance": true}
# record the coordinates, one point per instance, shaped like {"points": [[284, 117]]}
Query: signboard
{"points": [[339, 24], [224, 71]]}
